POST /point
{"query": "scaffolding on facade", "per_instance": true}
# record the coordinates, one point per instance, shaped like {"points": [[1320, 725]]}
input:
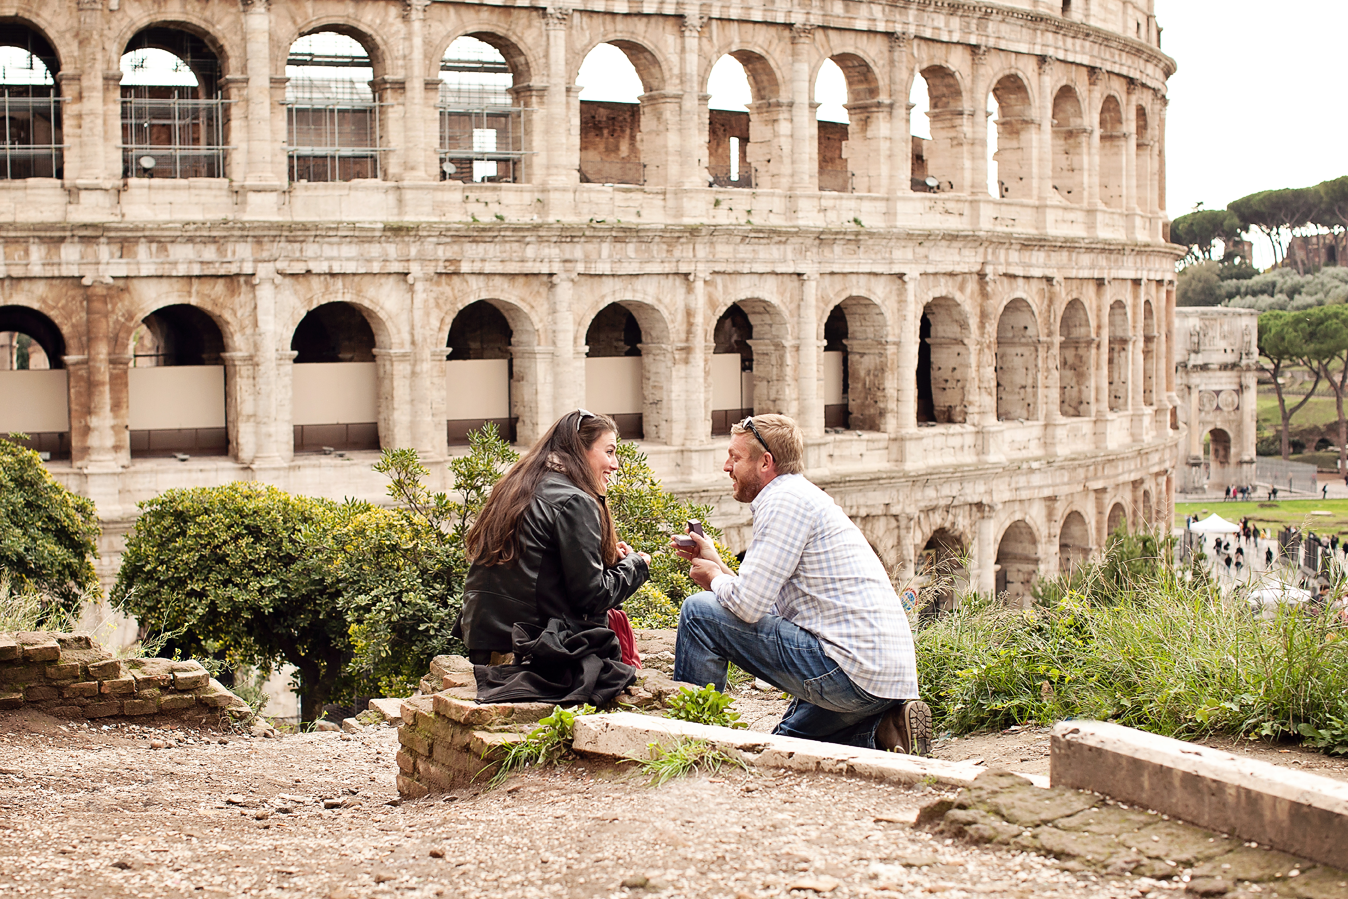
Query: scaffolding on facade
{"points": [[334, 130]]}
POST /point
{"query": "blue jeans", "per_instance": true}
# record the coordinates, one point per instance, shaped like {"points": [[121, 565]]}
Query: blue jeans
{"points": [[826, 705]]}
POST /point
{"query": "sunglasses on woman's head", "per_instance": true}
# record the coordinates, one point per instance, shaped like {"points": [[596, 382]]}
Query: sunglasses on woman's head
{"points": [[582, 414], [749, 424]]}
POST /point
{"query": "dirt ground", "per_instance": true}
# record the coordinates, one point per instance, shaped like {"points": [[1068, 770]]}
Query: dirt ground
{"points": [[96, 811]]}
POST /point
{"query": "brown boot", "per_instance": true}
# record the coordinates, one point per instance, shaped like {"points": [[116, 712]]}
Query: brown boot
{"points": [[906, 728]]}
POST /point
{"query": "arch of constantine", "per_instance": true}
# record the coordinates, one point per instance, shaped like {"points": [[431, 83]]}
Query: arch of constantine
{"points": [[261, 240]]}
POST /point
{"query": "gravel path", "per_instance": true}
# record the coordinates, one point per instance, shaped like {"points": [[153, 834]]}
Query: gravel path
{"points": [[95, 811]]}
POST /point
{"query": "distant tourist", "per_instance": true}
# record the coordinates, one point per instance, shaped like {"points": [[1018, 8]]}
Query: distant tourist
{"points": [[1324, 491], [1268, 557]]}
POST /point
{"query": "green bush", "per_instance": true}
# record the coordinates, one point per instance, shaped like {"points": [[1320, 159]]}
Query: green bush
{"points": [[706, 705], [1136, 641], [48, 535]]}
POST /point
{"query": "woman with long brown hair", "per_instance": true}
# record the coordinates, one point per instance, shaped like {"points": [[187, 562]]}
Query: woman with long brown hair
{"points": [[544, 546]]}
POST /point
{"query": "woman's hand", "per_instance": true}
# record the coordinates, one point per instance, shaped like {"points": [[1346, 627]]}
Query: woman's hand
{"points": [[624, 551]]}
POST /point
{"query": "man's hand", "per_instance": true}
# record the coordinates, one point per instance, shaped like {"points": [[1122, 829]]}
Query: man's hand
{"points": [[706, 560], [703, 572]]}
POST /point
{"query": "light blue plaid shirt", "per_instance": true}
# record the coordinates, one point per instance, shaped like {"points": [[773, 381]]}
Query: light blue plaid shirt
{"points": [[809, 564]]}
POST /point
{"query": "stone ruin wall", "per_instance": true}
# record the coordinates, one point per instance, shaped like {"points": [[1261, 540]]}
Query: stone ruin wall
{"points": [[1008, 352]]}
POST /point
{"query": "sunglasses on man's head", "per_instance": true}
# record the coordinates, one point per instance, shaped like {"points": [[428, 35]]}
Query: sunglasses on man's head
{"points": [[749, 424]]}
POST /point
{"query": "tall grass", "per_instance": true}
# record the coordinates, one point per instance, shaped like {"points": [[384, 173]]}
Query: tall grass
{"points": [[1131, 639], [28, 610]]}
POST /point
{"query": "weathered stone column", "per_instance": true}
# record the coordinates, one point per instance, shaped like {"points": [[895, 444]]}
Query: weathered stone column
{"points": [[285, 405], [418, 152], [660, 143], [1044, 169], [808, 347], [568, 375], [984, 575], [1136, 341], [1100, 407], [804, 129], [1130, 148], [275, 438], [908, 322], [561, 167], [1092, 175], [393, 370], [978, 120], [102, 446], [88, 108], [770, 145], [657, 386], [119, 403], [690, 408], [531, 392], [78, 403], [1163, 361], [692, 171], [256, 143], [900, 150], [426, 398], [241, 417], [907, 567]]}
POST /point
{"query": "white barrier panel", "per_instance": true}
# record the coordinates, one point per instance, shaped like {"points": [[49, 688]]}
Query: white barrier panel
{"points": [[726, 383], [172, 397], [613, 384], [833, 377], [335, 393], [34, 402], [477, 389]]}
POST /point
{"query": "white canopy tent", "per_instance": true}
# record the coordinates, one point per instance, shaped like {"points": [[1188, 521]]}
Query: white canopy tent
{"points": [[1214, 524]]}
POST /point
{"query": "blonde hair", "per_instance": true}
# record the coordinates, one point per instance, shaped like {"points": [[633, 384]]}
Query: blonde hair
{"points": [[783, 438]]}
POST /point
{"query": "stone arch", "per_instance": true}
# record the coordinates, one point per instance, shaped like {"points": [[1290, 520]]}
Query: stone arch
{"points": [[34, 119], [943, 353], [1148, 354], [1119, 368], [763, 360], [629, 363], [36, 390], [510, 393], [1017, 564], [338, 378], [205, 30], [856, 394], [740, 144], [1113, 144], [1074, 542], [626, 140], [1076, 369], [375, 46], [478, 372], [483, 131], [1217, 458], [509, 44], [941, 157], [847, 149], [1017, 365], [942, 567], [1014, 128], [1118, 517], [1069, 145], [649, 62], [343, 140]]}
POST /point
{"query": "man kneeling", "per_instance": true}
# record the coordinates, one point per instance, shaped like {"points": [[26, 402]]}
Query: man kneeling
{"points": [[811, 612]]}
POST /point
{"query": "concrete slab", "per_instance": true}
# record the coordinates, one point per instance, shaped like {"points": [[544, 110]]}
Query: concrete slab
{"points": [[1276, 807], [627, 735]]}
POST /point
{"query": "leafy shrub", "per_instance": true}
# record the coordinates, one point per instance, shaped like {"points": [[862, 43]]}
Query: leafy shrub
{"points": [[545, 744], [1139, 642], [704, 706], [48, 535]]}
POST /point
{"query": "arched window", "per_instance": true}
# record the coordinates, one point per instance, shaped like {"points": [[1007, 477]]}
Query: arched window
{"points": [[1118, 519], [732, 370], [34, 393], [1113, 143], [1010, 139], [333, 121], [478, 373], [173, 115], [32, 105], [610, 118], [1119, 369], [937, 126], [1017, 565], [1075, 370], [481, 125], [1017, 363], [1074, 542], [176, 385], [728, 125], [941, 567], [855, 394], [613, 369], [1069, 145], [942, 363], [1217, 458], [830, 91], [335, 387]]}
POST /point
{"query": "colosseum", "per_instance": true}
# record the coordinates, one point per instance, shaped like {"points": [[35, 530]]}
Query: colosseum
{"points": [[262, 240]]}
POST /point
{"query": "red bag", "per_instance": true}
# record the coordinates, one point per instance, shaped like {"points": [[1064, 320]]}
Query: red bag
{"points": [[627, 638]]}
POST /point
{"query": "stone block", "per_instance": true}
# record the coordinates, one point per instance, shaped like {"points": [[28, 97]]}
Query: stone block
{"points": [[86, 657], [40, 693], [410, 789], [140, 706], [407, 763], [120, 686], [9, 648], [176, 702], [22, 674], [151, 672], [479, 715], [414, 708], [74, 641], [67, 711], [102, 709], [1274, 806], [81, 690], [391, 710], [414, 741], [10, 701], [152, 694], [215, 695], [68, 671], [190, 680], [108, 669], [38, 646]]}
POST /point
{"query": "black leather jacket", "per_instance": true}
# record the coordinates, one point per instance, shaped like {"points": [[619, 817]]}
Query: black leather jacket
{"points": [[560, 572]]}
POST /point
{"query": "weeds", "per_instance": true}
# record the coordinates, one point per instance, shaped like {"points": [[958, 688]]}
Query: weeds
{"points": [[683, 758], [27, 610], [705, 706], [544, 744]]}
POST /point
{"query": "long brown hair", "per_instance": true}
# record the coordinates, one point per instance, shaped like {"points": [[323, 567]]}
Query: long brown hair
{"points": [[494, 538]]}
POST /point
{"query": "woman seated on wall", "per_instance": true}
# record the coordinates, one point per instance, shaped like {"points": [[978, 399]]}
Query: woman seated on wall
{"points": [[547, 567]]}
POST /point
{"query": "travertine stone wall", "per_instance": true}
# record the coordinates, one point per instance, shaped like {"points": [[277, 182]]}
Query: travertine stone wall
{"points": [[959, 425], [69, 676]]}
